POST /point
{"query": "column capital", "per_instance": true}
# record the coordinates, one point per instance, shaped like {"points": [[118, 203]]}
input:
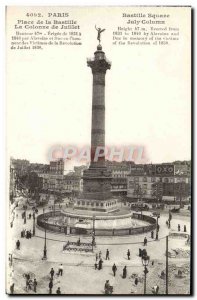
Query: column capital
{"points": [[99, 64]]}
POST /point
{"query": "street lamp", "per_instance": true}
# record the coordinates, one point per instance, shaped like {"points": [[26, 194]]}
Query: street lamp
{"points": [[169, 219], [25, 216], [145, 262], [54, 209], [157, 228], [34, 224], [45, 239], [93, 233]]}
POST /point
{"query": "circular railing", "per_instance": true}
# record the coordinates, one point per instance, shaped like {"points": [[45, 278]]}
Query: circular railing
{"points": [[42, 221]]}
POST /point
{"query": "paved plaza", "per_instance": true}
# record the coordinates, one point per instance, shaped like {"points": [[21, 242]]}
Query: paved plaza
{"points": [[78, 268]]}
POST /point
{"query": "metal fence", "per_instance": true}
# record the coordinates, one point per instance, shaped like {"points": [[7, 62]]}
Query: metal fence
{"points": [[42, 222]]}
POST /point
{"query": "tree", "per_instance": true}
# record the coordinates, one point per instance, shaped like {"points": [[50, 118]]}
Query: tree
{"points": [[30, 182]]}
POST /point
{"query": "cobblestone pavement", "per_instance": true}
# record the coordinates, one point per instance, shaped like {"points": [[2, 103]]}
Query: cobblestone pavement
{"points": [[79, 275]]}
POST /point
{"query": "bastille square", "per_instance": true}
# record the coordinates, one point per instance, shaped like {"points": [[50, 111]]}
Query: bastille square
{"points": [[107, 227]]}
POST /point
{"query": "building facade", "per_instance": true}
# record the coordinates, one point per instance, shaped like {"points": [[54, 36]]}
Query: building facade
{"points": [[57, 167], [65, 185], [157, 182], [120, 172]]}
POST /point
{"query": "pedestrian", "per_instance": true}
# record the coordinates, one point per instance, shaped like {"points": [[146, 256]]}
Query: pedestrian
{"points": [[60, 270], [124, 274], [27, 283], [10, 260], [28, 276], [114, 269], [155, 289], [100, 254], [96, 256], [58, 291], [107, 254], [136, 281], [18, 245], [144, 253], [93, 241], [185, 229], [140, 252], [95, 265], [145, 241], [12, 288], [50, 286], [179, 227], [152, 234], [52, 273], [162, 274], [35, 284], [100, 264], [108, 288], [128, 254]]}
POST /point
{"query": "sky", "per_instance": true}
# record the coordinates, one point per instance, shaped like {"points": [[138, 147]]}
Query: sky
{"points": [[147, 92]]}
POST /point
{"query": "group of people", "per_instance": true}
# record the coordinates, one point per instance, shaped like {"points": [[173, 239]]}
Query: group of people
{"points": [[52, 273], [124, 271], [99, 262], [107, 287], [31, 284], [107, 255], [184, 228], [60, 271], [26, 234]]}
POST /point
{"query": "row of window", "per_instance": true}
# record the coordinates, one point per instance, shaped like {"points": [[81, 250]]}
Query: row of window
{"points": [[119, 176], [115, 187], [157, 179], [96, 203]]}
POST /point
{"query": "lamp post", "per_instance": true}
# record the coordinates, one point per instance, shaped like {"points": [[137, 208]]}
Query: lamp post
{"points": [[93, 233], [145, 262], [45, 239], [169, 219], [180, 192], [25, 216], [34, 224], [157, 228], [54, 209]]}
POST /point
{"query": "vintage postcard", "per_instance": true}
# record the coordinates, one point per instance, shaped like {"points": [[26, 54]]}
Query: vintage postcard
{"points": [[98, 150]]}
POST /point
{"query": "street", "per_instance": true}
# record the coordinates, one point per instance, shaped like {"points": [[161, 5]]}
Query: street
{"points": [[79, 267]]}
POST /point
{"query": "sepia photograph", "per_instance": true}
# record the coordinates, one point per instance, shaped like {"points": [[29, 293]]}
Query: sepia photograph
{"points": [[98, 150]]}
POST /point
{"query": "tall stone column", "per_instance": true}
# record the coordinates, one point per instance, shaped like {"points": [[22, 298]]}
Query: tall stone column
{"points": [[99, 66], [96, 194]]}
